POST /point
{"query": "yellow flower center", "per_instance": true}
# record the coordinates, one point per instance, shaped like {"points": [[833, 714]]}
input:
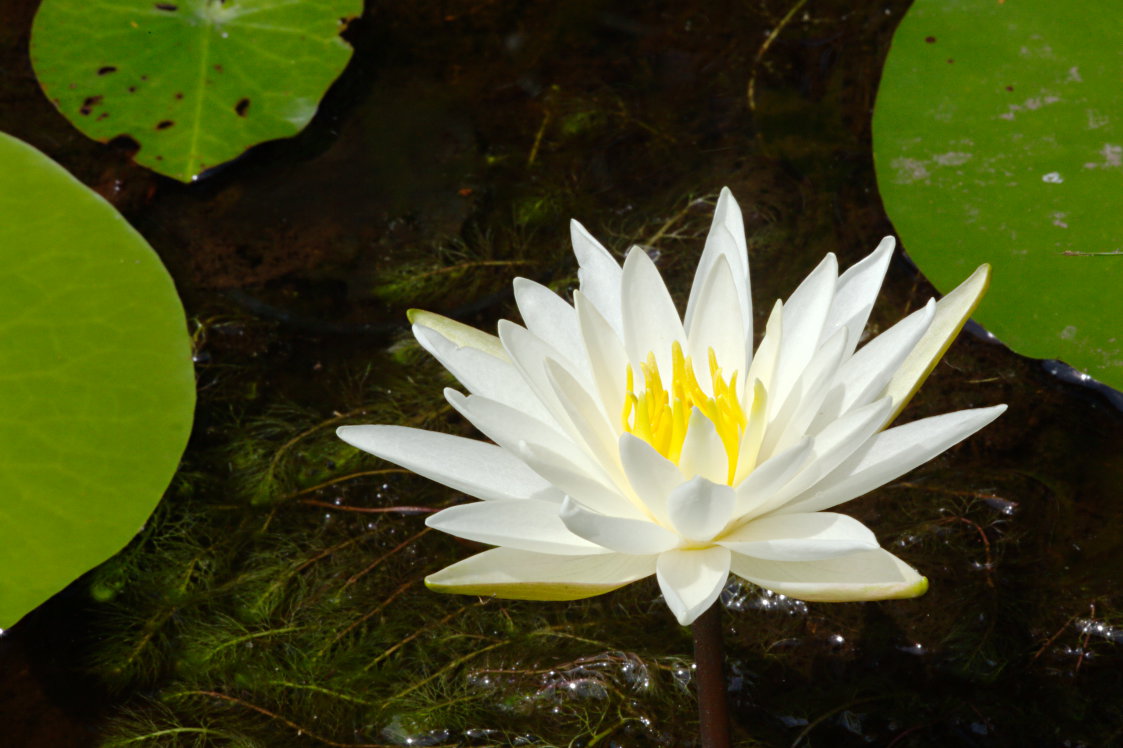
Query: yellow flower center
{"points": [[660, 415]]}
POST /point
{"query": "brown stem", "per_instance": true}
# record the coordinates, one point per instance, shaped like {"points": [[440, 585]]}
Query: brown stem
{"points": [[709, 662]]}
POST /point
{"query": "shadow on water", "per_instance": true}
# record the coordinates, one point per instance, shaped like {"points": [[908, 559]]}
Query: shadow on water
{"points": [[274, 598]]}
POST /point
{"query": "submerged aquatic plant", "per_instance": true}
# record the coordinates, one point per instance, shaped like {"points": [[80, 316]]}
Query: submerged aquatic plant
{"points": [[631, 442]]}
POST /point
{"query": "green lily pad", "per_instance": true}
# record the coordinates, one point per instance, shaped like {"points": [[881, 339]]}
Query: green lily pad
{"points": [[998, 137], [96, 381], [193, 82]]}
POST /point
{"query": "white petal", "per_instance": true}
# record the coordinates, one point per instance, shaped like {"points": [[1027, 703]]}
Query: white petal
{"points": [[699, 508], [524, 524], [607, 359], [458, 333], [523, 575], [800, 537], [599, 275], [952, 312], [530, 354], [866, 575], [550, 318], [484, 374], [857, 290], [763, 368], [756, 410], [764, 482], [717, 325], [652, 475], [585, 414], [726, 239], [790, 424], [581, 485], [651, 323], [620, 534], [692, 580], [863, 376], [509, 428], [476, 468], [805, 316], [831, 446], [702, 451], [890, 454]]}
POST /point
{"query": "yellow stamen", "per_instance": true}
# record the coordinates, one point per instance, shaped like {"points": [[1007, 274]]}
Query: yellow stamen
{"points": [[660, 415]]}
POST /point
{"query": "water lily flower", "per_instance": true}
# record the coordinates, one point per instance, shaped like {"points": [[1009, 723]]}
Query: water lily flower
{"points": [[628, 441]]}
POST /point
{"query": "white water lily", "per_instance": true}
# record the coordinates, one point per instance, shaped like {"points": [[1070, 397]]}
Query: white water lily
{"points": [[630, 441]]}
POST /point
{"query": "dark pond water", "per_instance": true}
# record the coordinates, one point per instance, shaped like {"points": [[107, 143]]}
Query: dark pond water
{"points": [[274, 598]]}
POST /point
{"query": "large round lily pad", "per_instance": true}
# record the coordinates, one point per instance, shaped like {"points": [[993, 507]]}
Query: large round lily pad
{"points": [[998, 137], [194, 82], [96, 383]]}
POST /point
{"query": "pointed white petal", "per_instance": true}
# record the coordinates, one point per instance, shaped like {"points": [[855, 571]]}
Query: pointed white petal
{"points": [[550, 318], [790, 424], [458, 333], [599, 275], [620, 534], [702, 451], [524, 524], [717, 325], [651, 323], [509, 428], [692, 580], [763, 368], [857, 290], [530, 354], [607, 359], [484, 374], [726, 239], [805, 316], [952, 312], [589, 490], [800, 537], [866, 575], [476, 468], [863, 376], [890, 454], [585, 414], [830, 447], [764, 482], [699, 508], [652, 475], [523, 575], [756, 410]]}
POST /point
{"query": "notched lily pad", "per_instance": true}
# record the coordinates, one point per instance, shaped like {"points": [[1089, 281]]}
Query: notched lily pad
{"points": [[193, 82], [998, 138], [97, 388]]}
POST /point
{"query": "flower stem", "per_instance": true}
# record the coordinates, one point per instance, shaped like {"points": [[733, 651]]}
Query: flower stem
{"points": [[709, 661]]}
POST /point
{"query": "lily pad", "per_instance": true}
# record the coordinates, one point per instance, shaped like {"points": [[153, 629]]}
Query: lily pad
{"points": [[97, 386], [193, 82], [998, 137]]}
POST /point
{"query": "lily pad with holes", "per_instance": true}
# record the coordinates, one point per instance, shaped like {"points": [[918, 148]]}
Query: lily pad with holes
{"points": [[998, 137], [193, 82], [97, 388]]}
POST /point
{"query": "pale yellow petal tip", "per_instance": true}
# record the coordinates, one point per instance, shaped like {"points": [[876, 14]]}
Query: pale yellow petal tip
{"points": [[447, 589], [984, 271], [916, 589], [458, 333]]}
